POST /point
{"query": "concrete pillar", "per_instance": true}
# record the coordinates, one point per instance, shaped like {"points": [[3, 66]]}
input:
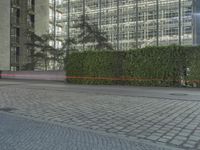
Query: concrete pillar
{"points": [[4, 34], [196, 22], [41, 16]]}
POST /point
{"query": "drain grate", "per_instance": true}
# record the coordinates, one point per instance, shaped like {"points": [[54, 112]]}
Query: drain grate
{"points": [[178, 94], [3, 85], [7, 84], [7, 109]]}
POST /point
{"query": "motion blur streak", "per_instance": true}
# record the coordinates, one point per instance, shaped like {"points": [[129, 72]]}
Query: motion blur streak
{"points": [[39, 76]]}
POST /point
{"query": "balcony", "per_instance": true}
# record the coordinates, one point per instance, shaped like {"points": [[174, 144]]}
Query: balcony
{"points": [[14, 39], [31, 26], [31, 9], [15, 3], [15, 21]]}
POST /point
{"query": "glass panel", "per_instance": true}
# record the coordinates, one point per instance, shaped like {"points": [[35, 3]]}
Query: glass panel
{"points": [[92, 16], [147, 22], [186, 19], [196, 22], [109, 20], [127, 24], [76, 11], [168, 22]]}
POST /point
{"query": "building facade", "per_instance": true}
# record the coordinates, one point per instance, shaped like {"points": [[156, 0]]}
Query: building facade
{"points": [[128, 24], [196, 22], [22, 19], [56, 28], [25, 15], [19, 16], [137, 23]]}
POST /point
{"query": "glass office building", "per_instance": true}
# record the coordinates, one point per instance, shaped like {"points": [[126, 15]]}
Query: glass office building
{"points": [[136, 23], [56, 22]]}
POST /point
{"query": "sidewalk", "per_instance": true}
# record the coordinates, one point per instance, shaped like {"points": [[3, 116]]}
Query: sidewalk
{"points": [[131, 112]]}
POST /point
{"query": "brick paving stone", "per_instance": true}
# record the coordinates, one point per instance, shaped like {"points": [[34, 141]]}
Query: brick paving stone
{"points": [[168, 137], [164, 140], [196, 132], [184, 134], [191, 143], [194, 138], [153, 137], [181, 138], [24, 134], [188, 145], [154, 118], [177, 142], [171, 134]]}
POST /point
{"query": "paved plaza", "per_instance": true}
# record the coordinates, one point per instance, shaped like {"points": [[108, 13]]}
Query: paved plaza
{"points": [[25, 134], [166, 122]]}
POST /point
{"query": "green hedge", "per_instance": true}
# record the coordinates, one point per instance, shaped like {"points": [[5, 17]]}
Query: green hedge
{"points": [[150, 66], [193, 64], [100, 65]]}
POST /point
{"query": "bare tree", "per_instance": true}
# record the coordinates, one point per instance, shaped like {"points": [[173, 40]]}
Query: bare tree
{"points": [[39, 50], [90, 33]]}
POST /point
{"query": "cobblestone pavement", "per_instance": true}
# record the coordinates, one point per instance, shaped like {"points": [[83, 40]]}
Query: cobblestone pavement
{"points": [[22, 134], [174, 123]]}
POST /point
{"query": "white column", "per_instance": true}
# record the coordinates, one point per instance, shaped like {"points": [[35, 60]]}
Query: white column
{"points": [[5, 34], [41, 16]]}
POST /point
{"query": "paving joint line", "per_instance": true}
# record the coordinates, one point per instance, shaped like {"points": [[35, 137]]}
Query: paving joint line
{"points": [[95, 93]]}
